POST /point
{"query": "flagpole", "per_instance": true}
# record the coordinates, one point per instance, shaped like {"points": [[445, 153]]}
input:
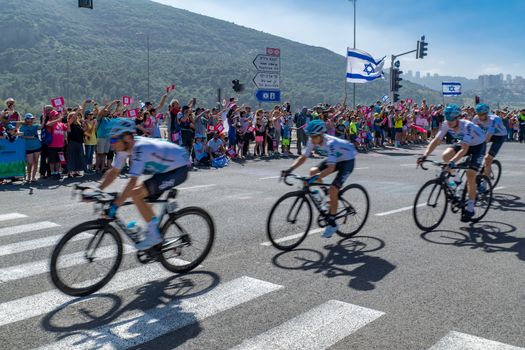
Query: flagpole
{"points": [[354, 1]]}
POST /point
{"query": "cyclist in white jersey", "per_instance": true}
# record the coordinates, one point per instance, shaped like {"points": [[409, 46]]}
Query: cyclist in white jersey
{"points": [[340, 157], [471, 142], [495, 131], [167, 162]]}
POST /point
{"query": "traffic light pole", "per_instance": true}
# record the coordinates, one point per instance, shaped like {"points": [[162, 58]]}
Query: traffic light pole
{"points": [[394, 58]]}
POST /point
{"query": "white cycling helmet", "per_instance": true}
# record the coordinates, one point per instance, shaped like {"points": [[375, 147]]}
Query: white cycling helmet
{"points": [[121, 126]]}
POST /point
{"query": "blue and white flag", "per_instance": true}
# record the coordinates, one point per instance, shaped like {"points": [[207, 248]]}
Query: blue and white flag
{"points": [[385, 98], [361, 67], [451, 88]]}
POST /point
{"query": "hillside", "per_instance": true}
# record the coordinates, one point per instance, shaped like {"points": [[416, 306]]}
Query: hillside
{"points": [[46, 41]]}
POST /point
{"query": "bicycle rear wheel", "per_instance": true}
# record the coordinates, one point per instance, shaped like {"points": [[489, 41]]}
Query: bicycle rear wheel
{"points": [[352, 210], [430, 205], [86, 258], [483, 199], [289, 221], [188, 238]]}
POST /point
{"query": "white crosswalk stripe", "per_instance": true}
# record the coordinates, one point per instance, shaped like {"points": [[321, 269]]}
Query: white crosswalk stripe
{"points": [[13, 230], [11, 216], [462, 341], [318, 328], [139, 327], [34, 244]]}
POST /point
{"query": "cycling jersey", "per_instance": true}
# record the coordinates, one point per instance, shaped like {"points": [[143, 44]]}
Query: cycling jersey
{"points": [[468, 133], [153, 156], [493, 125], [335, 149]]}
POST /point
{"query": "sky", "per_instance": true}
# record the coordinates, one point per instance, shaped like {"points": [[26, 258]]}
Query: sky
{"points": [[466, 37]]}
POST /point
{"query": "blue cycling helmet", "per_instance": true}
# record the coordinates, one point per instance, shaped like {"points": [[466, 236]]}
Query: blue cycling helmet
{"points": [[315, 127], [482, 108], [452, 112]]}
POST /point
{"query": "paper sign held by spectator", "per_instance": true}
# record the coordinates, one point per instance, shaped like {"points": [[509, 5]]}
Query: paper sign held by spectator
{"points": [[251, 128], [219, 128], [409, 101], [126, 100], [133, 113], [57, 102], [231, 153], [211, 128]]}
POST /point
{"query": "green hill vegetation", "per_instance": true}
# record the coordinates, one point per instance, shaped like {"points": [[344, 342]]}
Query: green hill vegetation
{"points": [[52, 48]]}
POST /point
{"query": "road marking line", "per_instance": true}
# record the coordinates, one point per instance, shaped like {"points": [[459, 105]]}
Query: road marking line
{"points": [[499, 188], [289, 238], [318, 328], [269, 177], [13, 230], [195, 187], [12, 216], [399, 210], [462, 341], [39, 304], [139, 327], [407, 165], [362, 168], [13, 273], [24, 246]]}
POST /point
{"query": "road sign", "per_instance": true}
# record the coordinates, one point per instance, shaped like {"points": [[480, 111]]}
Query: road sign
{"points": [[267, 80], [273, 51], [267, 63], [268, 95]]}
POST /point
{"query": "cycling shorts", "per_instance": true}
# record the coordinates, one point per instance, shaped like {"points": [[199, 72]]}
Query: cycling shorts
{"points": [[344, 169], [476, 154], [161, 182], [497, 142]]}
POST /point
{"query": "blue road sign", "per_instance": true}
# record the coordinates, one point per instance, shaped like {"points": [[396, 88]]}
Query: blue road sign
{"points": [[268, 95]]}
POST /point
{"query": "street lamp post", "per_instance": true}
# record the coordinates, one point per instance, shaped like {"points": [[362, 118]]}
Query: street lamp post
{"points": [[147, 48]]}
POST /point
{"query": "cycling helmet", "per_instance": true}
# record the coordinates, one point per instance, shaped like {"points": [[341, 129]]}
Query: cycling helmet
{"points": [[315, 127], [452, 112], [482, 108], [121, 126]]}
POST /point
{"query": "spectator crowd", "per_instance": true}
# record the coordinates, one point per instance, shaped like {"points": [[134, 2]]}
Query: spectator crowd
{"points": [[74, 140]]}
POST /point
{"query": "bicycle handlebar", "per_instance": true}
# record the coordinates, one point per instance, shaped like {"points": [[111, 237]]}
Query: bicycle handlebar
{"points": [[285, 179], [440, 164]]}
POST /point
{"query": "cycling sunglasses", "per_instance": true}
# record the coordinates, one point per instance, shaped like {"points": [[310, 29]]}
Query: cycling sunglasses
{"points": [[114, 140]]}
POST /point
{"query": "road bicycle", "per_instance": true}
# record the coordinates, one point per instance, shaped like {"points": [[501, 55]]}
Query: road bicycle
{"points": [[188, 235], [495, 172], [432, 200], [290, 218]]}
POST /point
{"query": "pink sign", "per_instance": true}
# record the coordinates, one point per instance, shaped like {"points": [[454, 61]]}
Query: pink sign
{"points": [[409, 101], [211, 128], [57, 102], [126, 100], [219, 128], [231, 152], [133, 113], [273, 51]]}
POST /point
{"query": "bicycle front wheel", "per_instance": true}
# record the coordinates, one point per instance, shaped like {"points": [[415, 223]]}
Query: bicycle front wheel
{"points": [[495, 173], [86, 258], [289, 221], [352, 210], [430, 205], [188, 238], [483, 199]]}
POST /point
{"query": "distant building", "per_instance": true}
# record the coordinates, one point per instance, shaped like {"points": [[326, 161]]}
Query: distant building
{"points": [[509, 79], [409, 74], [428, 75], [436, 75], [418, 75], [490, 81]]}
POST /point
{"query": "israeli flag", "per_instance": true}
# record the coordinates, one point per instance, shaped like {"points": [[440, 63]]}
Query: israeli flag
{"points": [[385, 98], [361, 67], [451, 88]]}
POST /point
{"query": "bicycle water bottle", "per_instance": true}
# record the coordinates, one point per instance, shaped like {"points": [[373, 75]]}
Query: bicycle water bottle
{"points": [[134, 231], [319, 199]]}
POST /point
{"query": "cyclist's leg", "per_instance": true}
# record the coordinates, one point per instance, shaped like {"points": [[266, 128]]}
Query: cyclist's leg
{"points": [[344, 169], [476, 161], [497, 142]]}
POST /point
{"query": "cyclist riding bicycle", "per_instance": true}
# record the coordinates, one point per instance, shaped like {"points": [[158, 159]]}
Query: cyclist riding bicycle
{"points": [[340, 157], [167, 162], [495, 130], [471, 142]]}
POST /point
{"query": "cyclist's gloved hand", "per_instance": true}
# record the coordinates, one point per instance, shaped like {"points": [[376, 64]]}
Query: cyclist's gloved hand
{"points": [[451, 165], [313, 179], [421, 159], [285, 173], [111, 212]]}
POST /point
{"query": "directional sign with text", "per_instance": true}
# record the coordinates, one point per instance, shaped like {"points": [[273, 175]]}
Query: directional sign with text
{"points": [[268, 95], [267, 63], [267, 80]]}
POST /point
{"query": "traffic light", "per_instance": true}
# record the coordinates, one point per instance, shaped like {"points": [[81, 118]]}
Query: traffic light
{"points": [[237, 86], [396, 97], [395, 79], [88, 4], [422, 48], [477, 99]]}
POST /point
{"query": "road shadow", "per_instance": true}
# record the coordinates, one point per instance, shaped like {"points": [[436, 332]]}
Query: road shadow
{"points": [[107, 321], [507, 202], [348, 258], [488, 236]]}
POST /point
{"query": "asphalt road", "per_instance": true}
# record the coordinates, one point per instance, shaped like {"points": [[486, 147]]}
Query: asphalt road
{"points": [[390, 287]]}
